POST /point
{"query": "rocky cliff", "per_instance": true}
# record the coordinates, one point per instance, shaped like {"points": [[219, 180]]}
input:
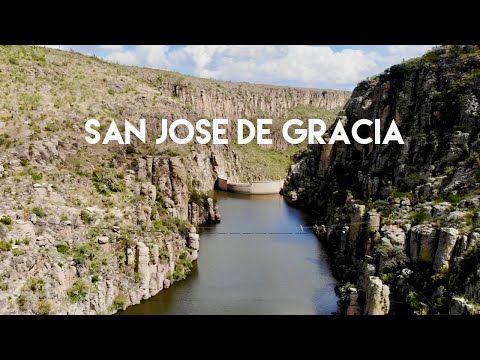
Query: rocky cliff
{"points": [[92, 229], [234, 100], [401, 221]]}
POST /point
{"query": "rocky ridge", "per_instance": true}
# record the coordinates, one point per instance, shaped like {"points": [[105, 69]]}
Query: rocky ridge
{"points": [[402, 221]]}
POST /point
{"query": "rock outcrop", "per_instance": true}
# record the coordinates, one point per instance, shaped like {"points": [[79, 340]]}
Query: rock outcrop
{"points": [[407, 211], [378, 302], [234, 100]]}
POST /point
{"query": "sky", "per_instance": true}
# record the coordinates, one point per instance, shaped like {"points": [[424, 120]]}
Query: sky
{"points": [[333, 66]]}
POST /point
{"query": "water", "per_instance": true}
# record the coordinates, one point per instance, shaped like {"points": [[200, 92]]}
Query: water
{"points": [[252, 273]]}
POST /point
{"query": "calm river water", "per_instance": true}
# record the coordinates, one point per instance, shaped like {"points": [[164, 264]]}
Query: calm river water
{"points": [[252, 273]]}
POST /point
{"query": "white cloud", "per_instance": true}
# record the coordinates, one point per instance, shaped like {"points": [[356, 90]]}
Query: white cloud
{"points": [[297, 65], [123, 57], [112, 47], [303, 65], [141, 55]]}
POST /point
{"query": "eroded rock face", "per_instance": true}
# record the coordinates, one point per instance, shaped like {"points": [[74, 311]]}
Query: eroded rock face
{"points": [[406, 183], [253, 101], [395, 234], [459, 306], [142, 260], [423, 239], [446, 243], [377, 301]]}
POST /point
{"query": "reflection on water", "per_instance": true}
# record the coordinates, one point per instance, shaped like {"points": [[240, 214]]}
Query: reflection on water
{"points": [[260, 273]]}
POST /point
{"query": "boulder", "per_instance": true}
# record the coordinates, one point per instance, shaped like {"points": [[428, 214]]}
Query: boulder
{"points": [[377, 297], [103, 240], [193, 241], [456, 216], [446, 243], [458, 306], [422, 243], [395, 234], [406, 202], [166, 283]]}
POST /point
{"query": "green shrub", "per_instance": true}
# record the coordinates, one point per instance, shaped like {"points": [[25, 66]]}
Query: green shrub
{"points": [[64, 217], [387, 278], [22, 303], [5, 245], [413, 301], [158, 226], [186, 263], [6, 220], [18, 252], [431, 57], [86, 217], [63, 248], [36, 284], [164, 255], [130, 150], [119, 302], [78, 291], [51, 127], [85, 252], [25, 241], [413, 180], [137, 277], [449, 170], [198, 198], [36, 175], [179, 273], [121, 257], [419, 216], [44, 307], [174, 224], [454, 198], [24, 162], [40, 212], [106, 182], [125, 239], [3, 286]]}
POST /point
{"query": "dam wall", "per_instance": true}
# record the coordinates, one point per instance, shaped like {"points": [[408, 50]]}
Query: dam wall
{"points": [[253, 187]]}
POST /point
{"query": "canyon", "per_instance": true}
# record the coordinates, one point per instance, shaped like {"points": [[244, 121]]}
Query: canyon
{"points": [[92, 228]]}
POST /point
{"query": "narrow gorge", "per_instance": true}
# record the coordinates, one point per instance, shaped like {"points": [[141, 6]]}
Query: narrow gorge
{"points": [[95, 229], [384, 229]]}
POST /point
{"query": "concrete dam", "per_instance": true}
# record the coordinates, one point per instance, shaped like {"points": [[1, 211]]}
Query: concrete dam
{"points": [[252, 187]]}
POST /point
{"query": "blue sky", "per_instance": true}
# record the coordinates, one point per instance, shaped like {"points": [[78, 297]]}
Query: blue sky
{"points": [[333, 66]]}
